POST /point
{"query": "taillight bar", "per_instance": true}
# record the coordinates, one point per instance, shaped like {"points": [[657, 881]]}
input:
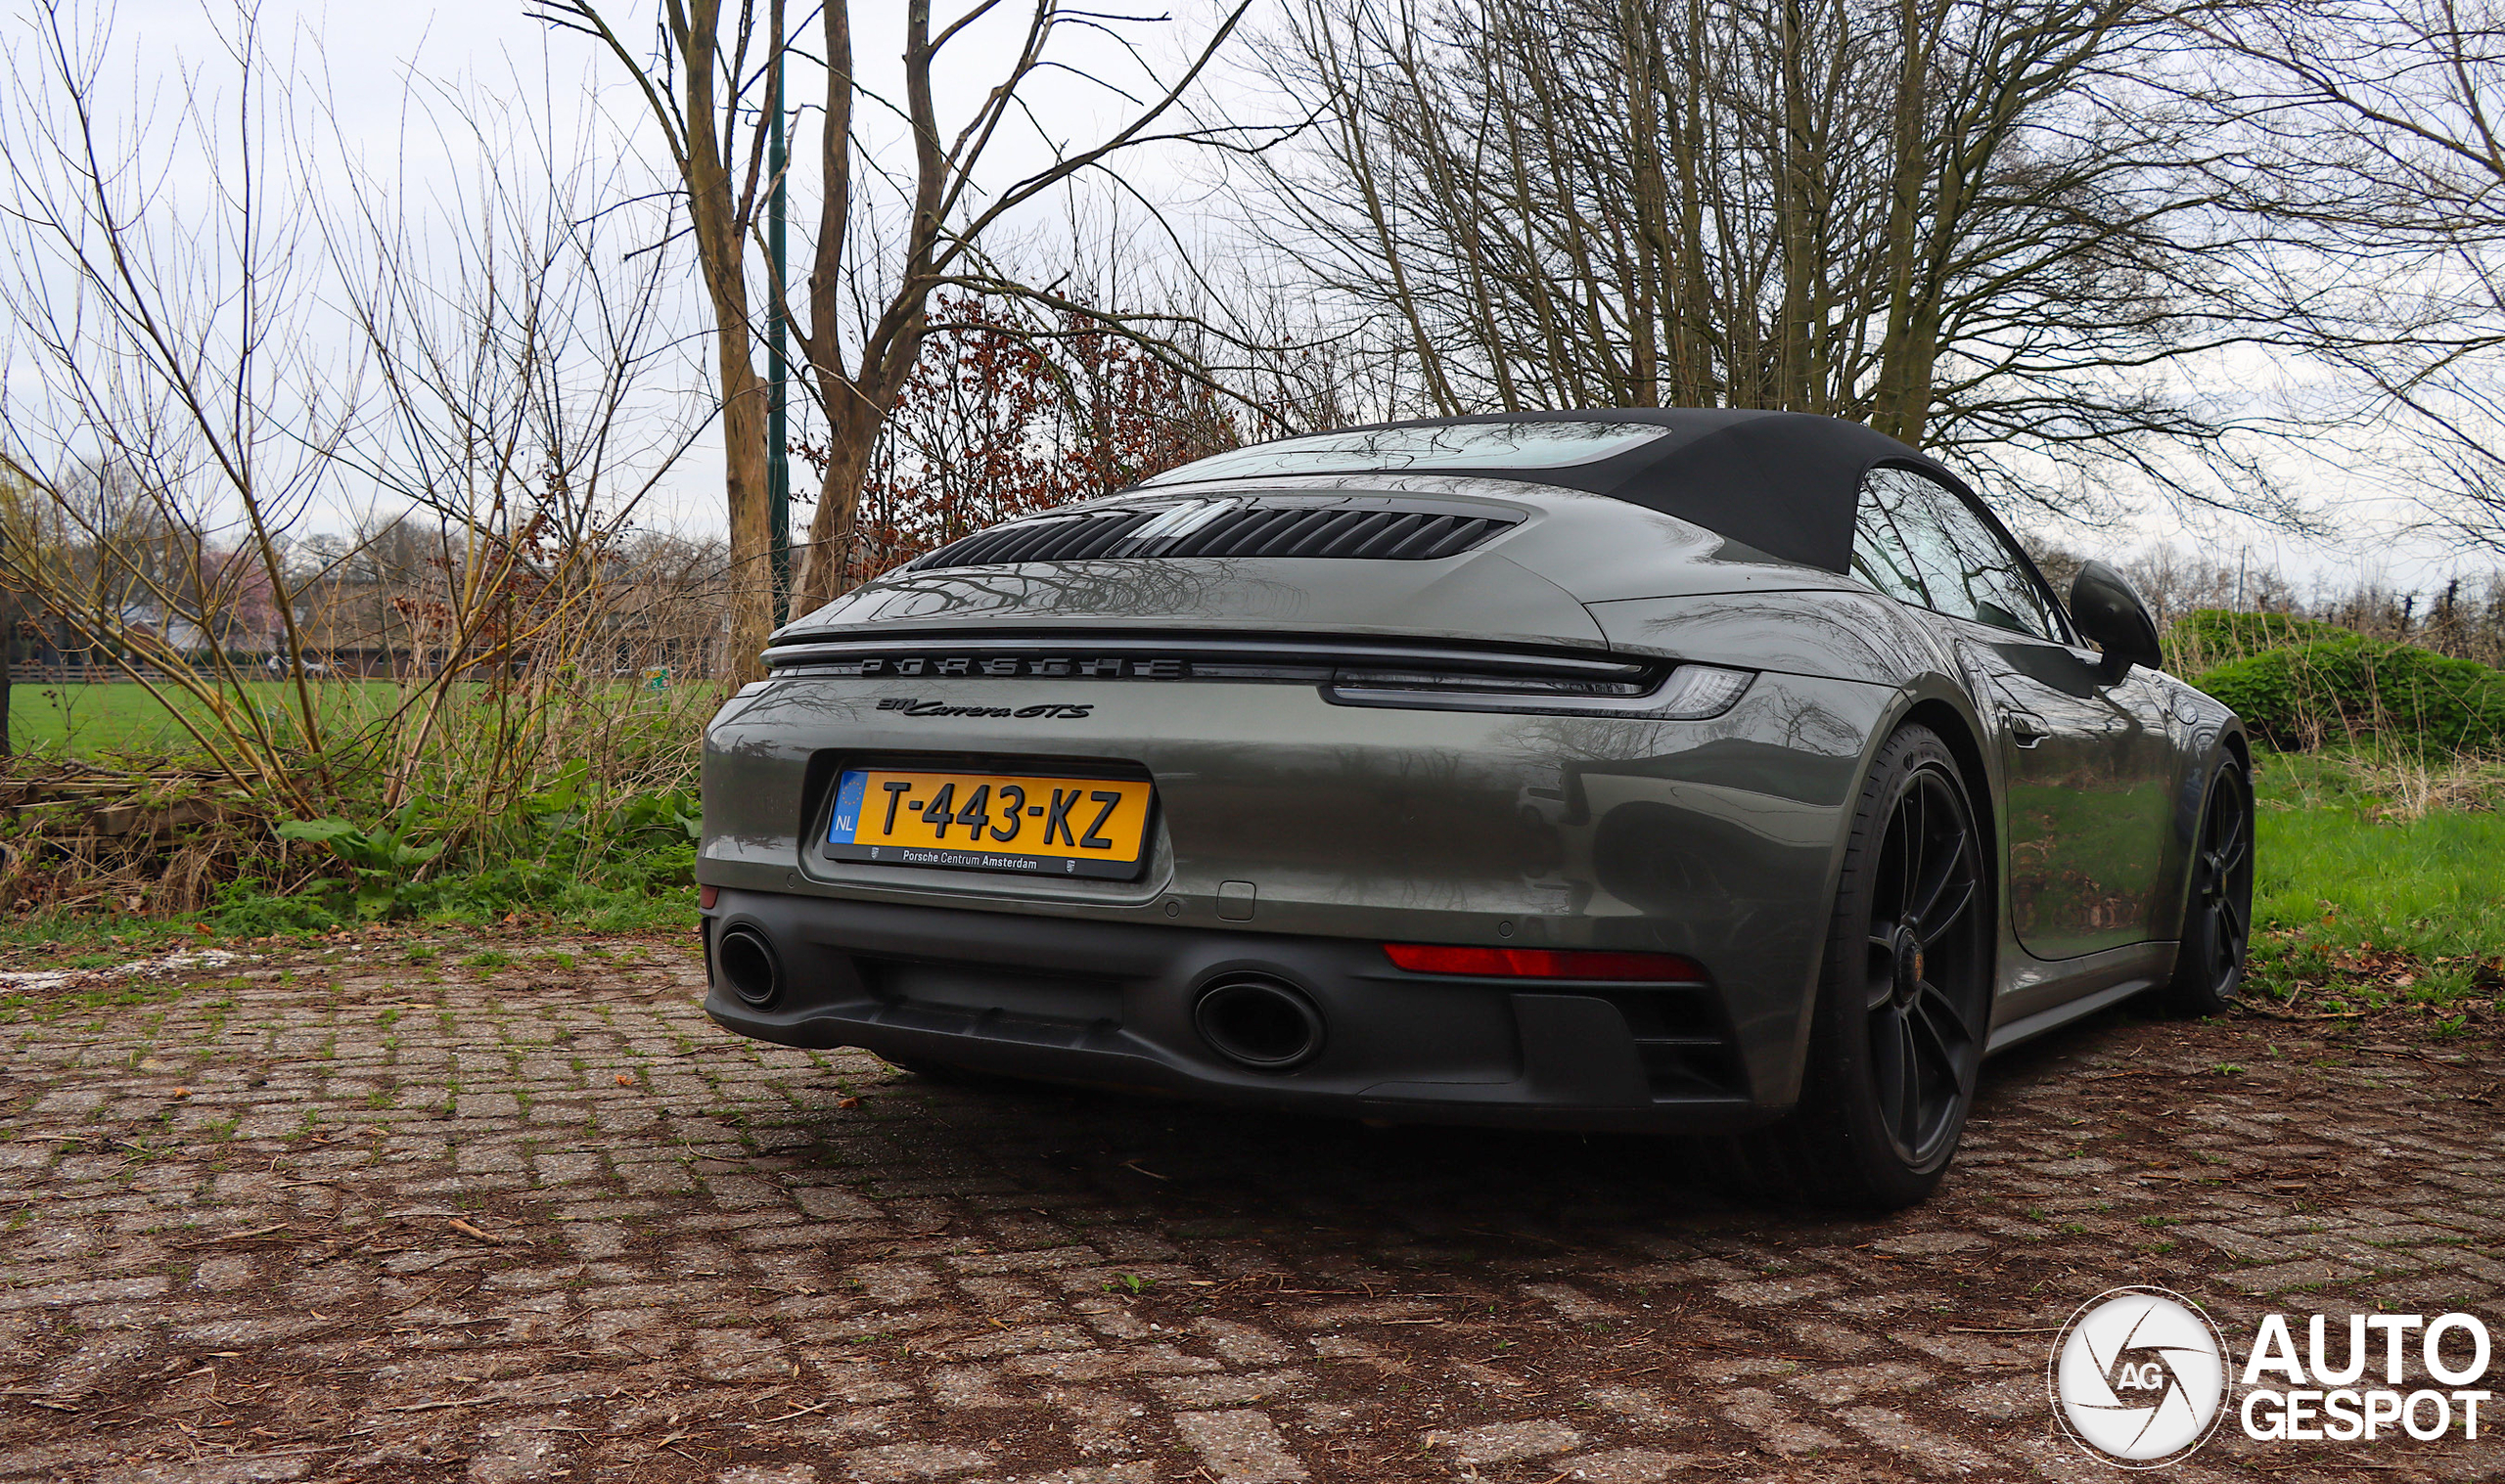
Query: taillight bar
{"points": [[1544, 963]]}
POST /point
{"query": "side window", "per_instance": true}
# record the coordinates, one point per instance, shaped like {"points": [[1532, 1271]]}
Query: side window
{"points": [[1964, 566], [1881, 554]]}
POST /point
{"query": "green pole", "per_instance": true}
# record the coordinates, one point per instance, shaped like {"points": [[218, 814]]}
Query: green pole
{"points": [[778, 464]]}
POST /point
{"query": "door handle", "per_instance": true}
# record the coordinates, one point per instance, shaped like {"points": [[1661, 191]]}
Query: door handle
{"points": [[2025, 728]]}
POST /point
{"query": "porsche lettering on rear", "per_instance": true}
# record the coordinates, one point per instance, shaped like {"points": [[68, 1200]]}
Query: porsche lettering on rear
{"points": [[1004, 666]]}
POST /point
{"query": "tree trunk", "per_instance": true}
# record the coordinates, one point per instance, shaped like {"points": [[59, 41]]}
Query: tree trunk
{"points": [[743, 472], [1896, 397], [828, 572], [720, 249]]}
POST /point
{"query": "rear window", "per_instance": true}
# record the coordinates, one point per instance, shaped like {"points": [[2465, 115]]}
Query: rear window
{"points": [[1474, 445]]}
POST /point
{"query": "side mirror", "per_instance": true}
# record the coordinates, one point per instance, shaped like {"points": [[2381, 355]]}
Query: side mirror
{"points": [[2108, 609]]}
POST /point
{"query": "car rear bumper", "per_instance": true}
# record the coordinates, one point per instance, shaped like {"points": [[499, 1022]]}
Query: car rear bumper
{"points": [[1112, 1005]]}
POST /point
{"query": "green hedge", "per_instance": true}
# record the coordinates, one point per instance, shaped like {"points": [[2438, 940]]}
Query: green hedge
{"points": [[2210, 636], [2346, 685]]}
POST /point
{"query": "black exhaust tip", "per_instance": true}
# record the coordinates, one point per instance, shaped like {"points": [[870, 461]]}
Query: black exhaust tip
{"points": [[745, 962], [1254, 1020]]}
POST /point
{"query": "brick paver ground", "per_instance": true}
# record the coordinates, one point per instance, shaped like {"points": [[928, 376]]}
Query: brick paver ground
{"points": [[341, 1215]]}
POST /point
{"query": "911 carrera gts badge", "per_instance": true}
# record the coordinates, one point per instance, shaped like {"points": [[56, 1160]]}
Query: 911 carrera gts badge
{"points": [[1051, 710]]}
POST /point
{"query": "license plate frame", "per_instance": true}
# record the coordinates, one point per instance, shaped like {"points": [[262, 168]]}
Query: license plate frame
{"points": [[1059, 819]]}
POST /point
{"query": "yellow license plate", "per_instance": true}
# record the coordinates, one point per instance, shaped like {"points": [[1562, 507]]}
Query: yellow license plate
{"points": [[991, 822]]}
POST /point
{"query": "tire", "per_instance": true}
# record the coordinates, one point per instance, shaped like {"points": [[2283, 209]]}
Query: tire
{"points": [[2217, 909], [1896, 1035]]}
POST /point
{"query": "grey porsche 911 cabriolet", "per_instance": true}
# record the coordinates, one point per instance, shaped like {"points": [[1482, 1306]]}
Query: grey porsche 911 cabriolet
{"points": [[1716, 772]]}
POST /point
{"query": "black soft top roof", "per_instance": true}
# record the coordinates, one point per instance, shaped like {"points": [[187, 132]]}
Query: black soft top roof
{"points": [[1785, 483]]}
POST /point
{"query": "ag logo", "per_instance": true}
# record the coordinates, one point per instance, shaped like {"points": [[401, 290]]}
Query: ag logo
{"points": [[2139, 1378]]}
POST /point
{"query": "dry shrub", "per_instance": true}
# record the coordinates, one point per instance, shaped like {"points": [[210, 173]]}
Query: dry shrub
{"points": [[546, 724], [2412, 785]]}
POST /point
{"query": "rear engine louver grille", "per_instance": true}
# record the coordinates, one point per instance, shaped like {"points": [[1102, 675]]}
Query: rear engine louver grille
{"points": [[1065, 538], [1284, 530], [1393, 535]]}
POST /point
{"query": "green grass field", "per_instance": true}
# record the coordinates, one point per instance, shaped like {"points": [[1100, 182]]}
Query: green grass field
{"points": [[94, 721], [117, 716], [2379, 880]]}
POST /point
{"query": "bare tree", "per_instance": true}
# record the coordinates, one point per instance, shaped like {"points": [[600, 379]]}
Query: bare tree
{"points": [[1970, 224], [174, 359], [197, 374], [869, 278], [2374, 179]]}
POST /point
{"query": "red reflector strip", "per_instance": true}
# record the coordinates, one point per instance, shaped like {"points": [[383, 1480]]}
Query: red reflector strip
{"points": [[706, 896], [1542, 963]]}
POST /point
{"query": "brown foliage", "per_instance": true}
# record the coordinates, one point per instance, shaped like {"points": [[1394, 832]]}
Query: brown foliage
{"points": [[1007, 416]]}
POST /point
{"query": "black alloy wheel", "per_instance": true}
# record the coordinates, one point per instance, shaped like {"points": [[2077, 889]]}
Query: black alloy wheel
{"points": [[1896, 1035], [2218, 912], [1926, 972]]}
